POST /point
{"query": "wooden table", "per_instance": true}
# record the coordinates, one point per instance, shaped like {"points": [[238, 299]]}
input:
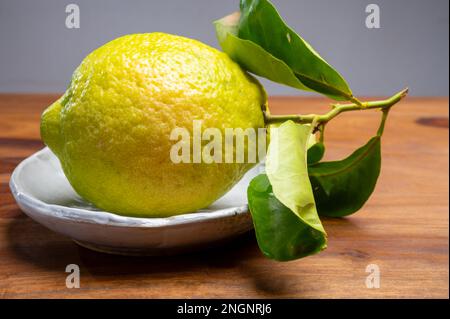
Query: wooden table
{"points": [[403, 228]]}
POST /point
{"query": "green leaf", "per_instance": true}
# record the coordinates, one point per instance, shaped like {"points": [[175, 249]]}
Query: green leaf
{"points": [[281, 235], [287, 170], [261, 42], [342, 187], [316, 153], [284, 203], [252, 57]]}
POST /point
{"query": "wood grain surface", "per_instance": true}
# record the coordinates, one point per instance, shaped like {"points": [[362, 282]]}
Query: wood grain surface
{"points": [[403, 228]]}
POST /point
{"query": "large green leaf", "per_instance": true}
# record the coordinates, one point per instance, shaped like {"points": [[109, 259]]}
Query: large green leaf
{"points": [[252, 57], [284, 203], [342, 187], [263, 44]]}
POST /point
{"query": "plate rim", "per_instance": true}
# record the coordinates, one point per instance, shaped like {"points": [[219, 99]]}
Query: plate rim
{"points": [[79, 215]]}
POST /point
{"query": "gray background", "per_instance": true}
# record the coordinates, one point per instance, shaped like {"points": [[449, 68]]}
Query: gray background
{"points": [[38, 53]]}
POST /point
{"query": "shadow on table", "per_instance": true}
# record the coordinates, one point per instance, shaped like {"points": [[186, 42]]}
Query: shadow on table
{"points": [[35, 244], [239, 257]]}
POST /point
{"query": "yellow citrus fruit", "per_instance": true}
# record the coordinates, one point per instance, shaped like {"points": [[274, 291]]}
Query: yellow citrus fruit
{"points": [[111, 129]]}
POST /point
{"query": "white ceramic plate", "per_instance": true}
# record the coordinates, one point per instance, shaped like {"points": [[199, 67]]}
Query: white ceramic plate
{"points": [[43, 192]]}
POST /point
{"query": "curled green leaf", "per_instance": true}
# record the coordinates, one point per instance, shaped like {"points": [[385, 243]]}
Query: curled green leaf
{"points": [[284, 202], [282, 57], [287, 170]]}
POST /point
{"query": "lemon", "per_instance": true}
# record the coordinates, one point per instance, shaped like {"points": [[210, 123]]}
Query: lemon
{"points": [[111, 129]]}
